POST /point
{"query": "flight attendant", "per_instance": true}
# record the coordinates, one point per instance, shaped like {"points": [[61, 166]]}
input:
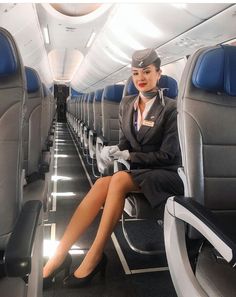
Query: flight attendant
{"points": [[149, 142]]}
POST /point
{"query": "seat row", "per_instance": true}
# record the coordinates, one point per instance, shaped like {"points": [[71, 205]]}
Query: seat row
{"points": [[27, 109]]}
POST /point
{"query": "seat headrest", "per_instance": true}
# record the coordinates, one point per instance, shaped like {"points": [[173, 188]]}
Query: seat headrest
{"points": [[215, 70], [74, 93], [169, 85], [90, 97], [113, 93], [85, 99], [33, 82], [98, 95], [130, 88], [8, 58]]}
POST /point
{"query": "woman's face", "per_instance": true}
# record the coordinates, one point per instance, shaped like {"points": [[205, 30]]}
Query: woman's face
{"points": [[145, 79]]}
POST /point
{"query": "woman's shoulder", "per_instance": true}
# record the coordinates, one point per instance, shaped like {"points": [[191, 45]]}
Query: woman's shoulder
{"points": [[170, 103], [128, 99]]}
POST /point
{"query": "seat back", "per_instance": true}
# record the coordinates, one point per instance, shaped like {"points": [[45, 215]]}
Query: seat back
{"points": [[32, 124], [166, 83], [207, 117], [97, 111], [90, 110], [111, 98], [85, 112], [12, 109], [45, 121], [169, 86]]}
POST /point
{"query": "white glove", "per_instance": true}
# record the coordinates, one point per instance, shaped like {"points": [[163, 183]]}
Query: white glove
{"points": [[122, 155], [105, 155], [113, 149]]}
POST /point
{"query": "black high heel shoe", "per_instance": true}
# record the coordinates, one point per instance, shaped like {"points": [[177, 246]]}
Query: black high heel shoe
{"points": [[74, 282], [47, 281]]}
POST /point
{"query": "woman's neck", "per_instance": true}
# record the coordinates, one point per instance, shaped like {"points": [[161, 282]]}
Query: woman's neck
{"points": [[145, 96], [143, 99]]}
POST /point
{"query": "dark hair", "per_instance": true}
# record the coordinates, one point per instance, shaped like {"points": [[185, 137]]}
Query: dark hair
{"points": [[157, 63]]}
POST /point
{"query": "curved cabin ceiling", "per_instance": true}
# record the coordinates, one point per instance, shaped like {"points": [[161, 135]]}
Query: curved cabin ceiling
{"points": [[90, 45]]}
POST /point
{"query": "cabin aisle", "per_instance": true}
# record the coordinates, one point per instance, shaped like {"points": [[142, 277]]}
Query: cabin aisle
{"points": [[70, 184]]}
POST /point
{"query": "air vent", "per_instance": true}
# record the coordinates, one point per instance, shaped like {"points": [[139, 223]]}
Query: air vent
{"points": [[70, 29], [8, 7]]}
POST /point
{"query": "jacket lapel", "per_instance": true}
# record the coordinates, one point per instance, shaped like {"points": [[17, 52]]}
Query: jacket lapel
{"points": [[152, 116], [128, 120]]}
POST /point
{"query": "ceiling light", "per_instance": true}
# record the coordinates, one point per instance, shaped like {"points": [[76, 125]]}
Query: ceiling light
{"points": [[46, 35], [113, 57], [179, 5], [92, 36]]}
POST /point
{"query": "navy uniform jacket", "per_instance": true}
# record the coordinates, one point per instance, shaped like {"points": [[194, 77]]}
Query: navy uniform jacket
{"points": [[151, 147], [154, 151]]}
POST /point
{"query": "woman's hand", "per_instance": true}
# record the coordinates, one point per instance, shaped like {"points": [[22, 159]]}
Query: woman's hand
{"points": [[122, 155], [108, 151]]}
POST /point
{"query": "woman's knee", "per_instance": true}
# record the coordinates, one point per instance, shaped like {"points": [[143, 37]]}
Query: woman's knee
{"points": [[102, 181], [123, 180]]}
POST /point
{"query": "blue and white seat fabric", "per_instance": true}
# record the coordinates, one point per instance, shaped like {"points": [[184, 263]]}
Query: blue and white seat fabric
{"points": [[17, 220], [207, 116]]}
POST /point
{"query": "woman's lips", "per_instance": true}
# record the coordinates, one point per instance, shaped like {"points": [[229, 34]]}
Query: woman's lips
{"points": [[141, 85]]}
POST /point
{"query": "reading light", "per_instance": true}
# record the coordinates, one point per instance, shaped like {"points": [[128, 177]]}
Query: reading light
{"points": [[46, 35], [92, 36]]}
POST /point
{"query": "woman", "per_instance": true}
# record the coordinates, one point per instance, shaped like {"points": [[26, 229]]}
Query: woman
{"points": [[149, 140]]}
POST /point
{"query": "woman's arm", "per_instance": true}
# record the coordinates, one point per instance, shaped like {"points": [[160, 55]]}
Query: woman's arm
{"points": [[124, 143]]}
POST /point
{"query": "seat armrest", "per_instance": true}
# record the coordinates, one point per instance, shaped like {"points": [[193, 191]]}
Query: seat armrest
{"points": [[17, 258], [204, 221], [120, 165], [102, 140], [93, 136]]}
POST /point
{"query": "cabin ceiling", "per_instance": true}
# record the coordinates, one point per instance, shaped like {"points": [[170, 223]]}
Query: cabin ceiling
{"points": [[175, 30]]}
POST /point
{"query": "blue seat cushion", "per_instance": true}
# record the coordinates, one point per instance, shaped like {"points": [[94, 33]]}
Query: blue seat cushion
{"points": [[8, 59], [113, 93], [33, 83], [215, 70], [98, 95], [169, 85]]}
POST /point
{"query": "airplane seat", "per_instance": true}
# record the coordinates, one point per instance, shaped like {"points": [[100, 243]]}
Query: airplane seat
{"points": [[77, 103], [88, 124], [169, 86], [206, 120], [83, 118], [136, 205], [36, 187], [32, 125], [96, 127], [78, 114], [74, 99], [110, 103], [18, 221], [68, 110], [46, 123]]}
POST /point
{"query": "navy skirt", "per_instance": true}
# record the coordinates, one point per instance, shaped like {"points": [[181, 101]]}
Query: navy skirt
{"points": [[157, 184]]}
